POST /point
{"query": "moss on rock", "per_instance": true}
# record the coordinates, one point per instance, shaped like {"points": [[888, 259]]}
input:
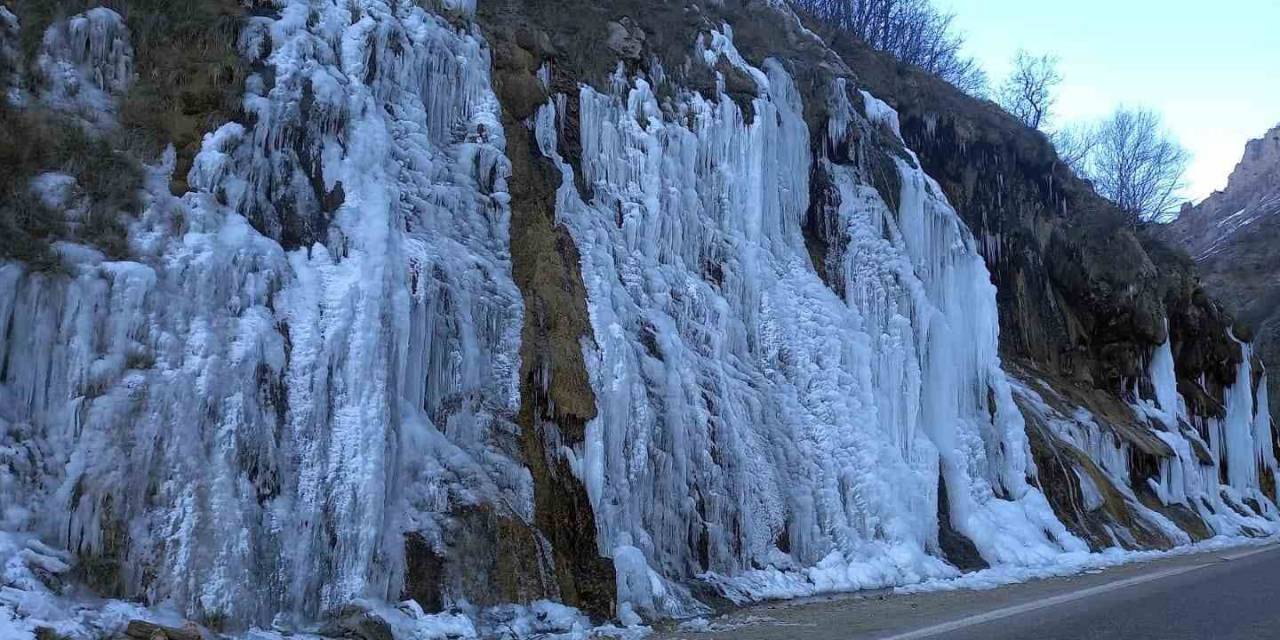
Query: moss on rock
{"points": [[106, 179], [556, 396]]}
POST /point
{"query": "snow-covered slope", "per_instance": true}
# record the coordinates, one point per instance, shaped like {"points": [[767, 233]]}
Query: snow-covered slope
{"points": [[327, 388]]}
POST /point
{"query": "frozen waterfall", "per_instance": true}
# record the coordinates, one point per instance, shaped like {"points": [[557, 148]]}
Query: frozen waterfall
{"points": [[316, 352], [756, 425], [243, 428], [1225, 488]]}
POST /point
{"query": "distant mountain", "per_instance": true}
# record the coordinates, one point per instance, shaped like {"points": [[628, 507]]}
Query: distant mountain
{"points": [[1234, 236]]}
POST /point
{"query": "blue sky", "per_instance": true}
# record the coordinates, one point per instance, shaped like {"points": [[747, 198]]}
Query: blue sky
{"points": [[1212, 68]]}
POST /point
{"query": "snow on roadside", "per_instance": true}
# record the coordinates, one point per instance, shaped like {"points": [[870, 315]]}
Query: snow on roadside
{"points": [[1070, 564], [779, 585]]}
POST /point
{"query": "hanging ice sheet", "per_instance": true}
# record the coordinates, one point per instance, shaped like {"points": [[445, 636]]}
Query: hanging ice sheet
{"points": [[758, 427], [312, 353]]}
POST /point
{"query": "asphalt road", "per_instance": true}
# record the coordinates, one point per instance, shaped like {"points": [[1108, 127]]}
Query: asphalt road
{"points": [[1224, 600], [1224, 595]]}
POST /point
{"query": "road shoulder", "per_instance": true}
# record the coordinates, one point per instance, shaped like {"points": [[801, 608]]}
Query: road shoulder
{"points": [[885, 615]]}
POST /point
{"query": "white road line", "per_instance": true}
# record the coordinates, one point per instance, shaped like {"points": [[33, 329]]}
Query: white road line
{"points": [[1251, 552], [1065, 598], [999, 614]]}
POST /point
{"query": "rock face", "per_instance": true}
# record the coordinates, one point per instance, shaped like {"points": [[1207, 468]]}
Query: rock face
{"points": [[1086, 304], [500, 318], [1233, 236]]}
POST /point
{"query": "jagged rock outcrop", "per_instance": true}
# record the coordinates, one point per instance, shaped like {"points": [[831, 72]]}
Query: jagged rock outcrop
{"points": [[474, 312], [1232, 236]]}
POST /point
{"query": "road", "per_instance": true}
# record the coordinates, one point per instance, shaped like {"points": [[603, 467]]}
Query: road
{"points": [[1230, 594]]}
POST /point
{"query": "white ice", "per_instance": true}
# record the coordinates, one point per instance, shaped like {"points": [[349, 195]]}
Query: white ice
{"points": [[757, 427], [316, 350], [85, 63], [252, 428]]}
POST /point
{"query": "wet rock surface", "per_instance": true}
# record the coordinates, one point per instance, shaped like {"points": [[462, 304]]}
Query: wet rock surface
{"points": [[142, 630]]}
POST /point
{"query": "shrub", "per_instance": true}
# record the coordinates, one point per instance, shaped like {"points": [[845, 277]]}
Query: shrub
{"points": [[913, 31], [190, 74], [41, 142], [190, 81]]}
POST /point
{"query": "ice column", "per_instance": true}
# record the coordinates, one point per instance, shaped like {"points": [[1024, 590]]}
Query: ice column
{"points": [[85, 63], [309, 355], [757, 425]]}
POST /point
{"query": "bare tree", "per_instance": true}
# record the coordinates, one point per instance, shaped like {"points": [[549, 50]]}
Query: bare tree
{"points": [[1075, 144], [1136, 163], [913, 31], [1028, 92]]}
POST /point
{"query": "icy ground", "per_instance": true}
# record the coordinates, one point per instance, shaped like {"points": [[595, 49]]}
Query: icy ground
{"points": [[79, 617]]}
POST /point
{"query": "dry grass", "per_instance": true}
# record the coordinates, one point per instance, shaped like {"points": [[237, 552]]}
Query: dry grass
{"points": [[190, 75], [39, 142], [190, 81]]}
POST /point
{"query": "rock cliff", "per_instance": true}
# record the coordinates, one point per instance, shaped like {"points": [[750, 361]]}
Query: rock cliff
{"points": [[1232, 237]]}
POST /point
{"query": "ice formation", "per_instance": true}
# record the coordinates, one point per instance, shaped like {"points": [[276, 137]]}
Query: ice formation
{"points": [[757, 425], [85, 63], [1196, 462], [10, 57], [252, 428], [316, 351], [1226, 489], [1112, 456], [1217, 465]]}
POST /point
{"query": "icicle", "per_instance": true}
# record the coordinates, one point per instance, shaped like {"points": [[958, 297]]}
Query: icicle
{"points": [[1165, 382], [1237, 441], [254, 429], [809, 425], [1239, 451], [1263, 434], [10, 58], [1083, 431], [86, 64]]}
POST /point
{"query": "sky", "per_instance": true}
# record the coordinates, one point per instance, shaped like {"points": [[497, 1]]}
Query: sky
{"points": [[1211, 68]]}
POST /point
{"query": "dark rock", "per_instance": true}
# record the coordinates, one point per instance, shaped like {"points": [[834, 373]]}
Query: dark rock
{"points": [[956, 548], [739, 86], [357, 623], [142, 630], [104, 569], [626, 39], [556, 396], [423, 572]]}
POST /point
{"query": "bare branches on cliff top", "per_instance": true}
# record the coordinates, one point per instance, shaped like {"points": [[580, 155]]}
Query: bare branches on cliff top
{"points": [[913, 31], [1028, 92]]}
